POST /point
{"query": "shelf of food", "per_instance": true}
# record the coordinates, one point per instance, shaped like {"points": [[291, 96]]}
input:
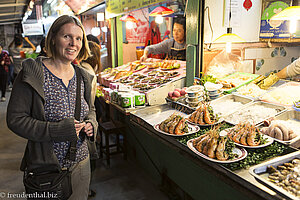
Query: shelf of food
{"points": [[153, 78]]}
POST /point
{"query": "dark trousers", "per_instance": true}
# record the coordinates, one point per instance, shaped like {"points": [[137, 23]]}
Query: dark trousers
{"points": [[10, 79], [3, 80]]}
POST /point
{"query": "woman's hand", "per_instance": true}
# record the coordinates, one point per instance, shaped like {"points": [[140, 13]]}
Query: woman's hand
{"points": [[78, 126], [89, 129]]}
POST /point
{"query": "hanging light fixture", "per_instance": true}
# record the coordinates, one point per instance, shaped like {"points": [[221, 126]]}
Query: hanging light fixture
{"points": [[161, 11], [229, 37], [292, 14], [130, 21]]}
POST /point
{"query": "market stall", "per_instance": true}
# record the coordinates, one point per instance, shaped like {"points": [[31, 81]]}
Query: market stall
{"points": [[202, 140], [170, 152]]}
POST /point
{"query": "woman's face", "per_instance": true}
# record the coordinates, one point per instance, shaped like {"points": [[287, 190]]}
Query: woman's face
{"points": [[178, 33], [68, 42]]}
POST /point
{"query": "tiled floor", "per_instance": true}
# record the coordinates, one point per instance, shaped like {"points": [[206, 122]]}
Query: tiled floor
{"points": [[122, 181]]}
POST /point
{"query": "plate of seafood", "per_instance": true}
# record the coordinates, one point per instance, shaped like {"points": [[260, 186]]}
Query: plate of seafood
{"points": [[216, 148], [172, 74], [204, 116], [247, 135], [176, 125]]}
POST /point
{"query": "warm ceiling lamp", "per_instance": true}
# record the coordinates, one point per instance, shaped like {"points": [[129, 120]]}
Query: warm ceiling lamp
{"points": [[229, 37], [291, 13], [161, 11], [129, 18], [130, 21]]}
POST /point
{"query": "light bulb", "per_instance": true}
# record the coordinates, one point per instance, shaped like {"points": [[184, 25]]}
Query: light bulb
{"points": [[293, 26], [95, 31], [159, 19], [104, 29], [228, 47], [129, 25]]}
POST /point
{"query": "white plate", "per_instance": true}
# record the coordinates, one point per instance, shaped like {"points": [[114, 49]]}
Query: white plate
{"points": [[192, 129], [241, 152], [206, 125], [269, 141]]}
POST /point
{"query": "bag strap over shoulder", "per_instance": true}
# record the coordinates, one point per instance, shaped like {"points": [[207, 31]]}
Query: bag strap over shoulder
{"points": [[72, 150]]}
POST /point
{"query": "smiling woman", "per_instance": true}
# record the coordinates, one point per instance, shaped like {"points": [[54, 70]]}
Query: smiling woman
{"points": [[56, 92]]}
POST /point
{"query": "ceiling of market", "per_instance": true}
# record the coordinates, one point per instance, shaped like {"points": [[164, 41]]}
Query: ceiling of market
{"points": [[12, 11]]}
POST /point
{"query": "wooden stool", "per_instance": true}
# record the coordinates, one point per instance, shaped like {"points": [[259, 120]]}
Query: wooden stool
{"points": [[109, 128]]}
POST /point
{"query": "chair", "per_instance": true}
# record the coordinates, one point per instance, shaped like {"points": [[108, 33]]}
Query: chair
{"points": [[115, 128]]}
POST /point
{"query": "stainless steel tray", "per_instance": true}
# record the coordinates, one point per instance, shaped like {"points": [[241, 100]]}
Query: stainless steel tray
{"points": [[279, 109], [235, 97], [260, 172], [290, 115]]}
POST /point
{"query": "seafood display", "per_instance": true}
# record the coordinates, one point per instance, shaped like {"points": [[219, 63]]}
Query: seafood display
{"points": [[153, 65], [171, 74], [253, 113], [122, 74], [136, 66], [212, 145], [174, 125], [204, 115], [153, 73], [216, 148], [281, 174], [282, 130], [246, 134], [169, 65], [286, 176]]}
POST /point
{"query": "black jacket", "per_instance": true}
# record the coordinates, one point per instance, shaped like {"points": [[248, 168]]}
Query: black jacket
{"points": [[26, 116]]}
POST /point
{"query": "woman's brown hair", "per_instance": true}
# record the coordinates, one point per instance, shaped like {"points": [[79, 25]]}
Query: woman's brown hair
{"points": [[95, 59], [55, 28]]}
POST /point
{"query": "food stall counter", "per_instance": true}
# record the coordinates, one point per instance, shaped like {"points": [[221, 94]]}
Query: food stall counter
{"points": [[193, 169]]}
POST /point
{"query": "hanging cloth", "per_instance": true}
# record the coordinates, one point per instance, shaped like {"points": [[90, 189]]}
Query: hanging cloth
{"points": [[153, 37]]}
